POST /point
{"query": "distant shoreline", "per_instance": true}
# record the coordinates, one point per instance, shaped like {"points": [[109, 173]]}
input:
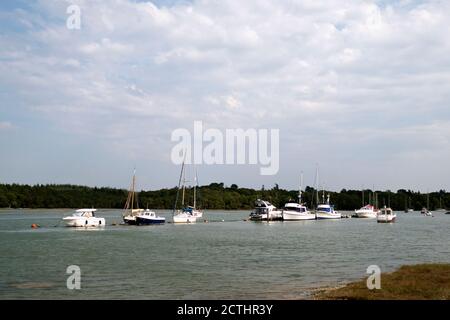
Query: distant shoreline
{"points": [[212, 196], [1, 209], [409, 282]]}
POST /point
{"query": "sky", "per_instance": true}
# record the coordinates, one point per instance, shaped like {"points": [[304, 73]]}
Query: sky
{"points": [[359, 88]]}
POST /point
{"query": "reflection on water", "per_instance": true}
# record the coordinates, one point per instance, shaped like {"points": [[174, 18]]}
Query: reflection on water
{"points": [[224, 258]]}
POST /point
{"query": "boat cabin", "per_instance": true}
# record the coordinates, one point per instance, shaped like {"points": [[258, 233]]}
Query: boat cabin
{"points": [[87, 213]]}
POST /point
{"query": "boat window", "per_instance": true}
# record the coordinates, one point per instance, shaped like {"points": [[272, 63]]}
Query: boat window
{"points": [[325, 209]]}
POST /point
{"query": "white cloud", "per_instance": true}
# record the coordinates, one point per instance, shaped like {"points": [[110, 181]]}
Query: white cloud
{"points": [[320, 70]]}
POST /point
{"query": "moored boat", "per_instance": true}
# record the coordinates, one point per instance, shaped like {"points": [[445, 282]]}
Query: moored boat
{"points": [[425, 210], [386, 215], [326, 211], [297, 211], [149, 217], [367, 211], [84, 218], [440, 209], [188, 214], [265, 211], [130, 211], [184, 217]]}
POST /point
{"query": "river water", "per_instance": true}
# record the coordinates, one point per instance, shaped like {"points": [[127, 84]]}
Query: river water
{"points": [[226, 258]]}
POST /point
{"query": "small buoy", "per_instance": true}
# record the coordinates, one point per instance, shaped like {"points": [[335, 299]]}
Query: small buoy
{"points": [[34, 226], [223, 220]]}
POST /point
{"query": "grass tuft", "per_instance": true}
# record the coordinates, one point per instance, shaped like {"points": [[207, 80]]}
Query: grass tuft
{"points": [[414, 282]]}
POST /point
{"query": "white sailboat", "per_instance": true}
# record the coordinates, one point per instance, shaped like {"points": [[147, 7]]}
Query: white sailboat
{"points": [[188, 214], [440, 209], [130, 211], [366, 211], [297, 211], [408, 208], [84, 218], [425, 210]]}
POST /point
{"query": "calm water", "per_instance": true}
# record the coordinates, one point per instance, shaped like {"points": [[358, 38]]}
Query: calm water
{"points": [[217, 260]]}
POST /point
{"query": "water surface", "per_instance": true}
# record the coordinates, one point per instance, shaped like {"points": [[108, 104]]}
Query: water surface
{"points": [[229, 259]]}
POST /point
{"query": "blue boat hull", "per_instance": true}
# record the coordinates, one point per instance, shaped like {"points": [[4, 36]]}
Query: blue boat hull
{"points": [[142, 221]]}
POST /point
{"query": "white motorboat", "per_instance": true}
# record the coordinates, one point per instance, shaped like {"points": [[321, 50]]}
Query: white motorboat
{"points": [[265, 211], [149, 217], [326, 211], [84, 218], [386, 215], [297, 211], [368, 211]]}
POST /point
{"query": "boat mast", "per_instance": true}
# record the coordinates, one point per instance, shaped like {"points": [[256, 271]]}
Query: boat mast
{"points": [[301, 188], [132, 190], [317, 184], [128, 202], [184, 187], [362, 188], [376, 200], [179, 183], [195, 186], [389, 199]]}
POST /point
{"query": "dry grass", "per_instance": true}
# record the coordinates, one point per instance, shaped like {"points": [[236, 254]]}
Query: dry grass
{"points": [[416, 282]]}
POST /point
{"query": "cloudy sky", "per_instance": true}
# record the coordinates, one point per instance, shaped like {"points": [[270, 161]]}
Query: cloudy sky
{"points": [[360, 87]]}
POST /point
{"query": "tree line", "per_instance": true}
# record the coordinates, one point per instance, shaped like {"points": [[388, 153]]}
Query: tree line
{"points": [[212, 196]]}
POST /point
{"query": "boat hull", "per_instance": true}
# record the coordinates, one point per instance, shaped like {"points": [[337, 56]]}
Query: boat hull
{"points": [[328, 216], [148, 221], [183, 218], [131, 220], [296, 216], [82, 222], [384, 219], [198, 214], [273, 216], [366, 215]]}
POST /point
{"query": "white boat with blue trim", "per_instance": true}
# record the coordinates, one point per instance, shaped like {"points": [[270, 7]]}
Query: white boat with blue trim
{"points": [[293, 211], [326, 211], [149, 217]]}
